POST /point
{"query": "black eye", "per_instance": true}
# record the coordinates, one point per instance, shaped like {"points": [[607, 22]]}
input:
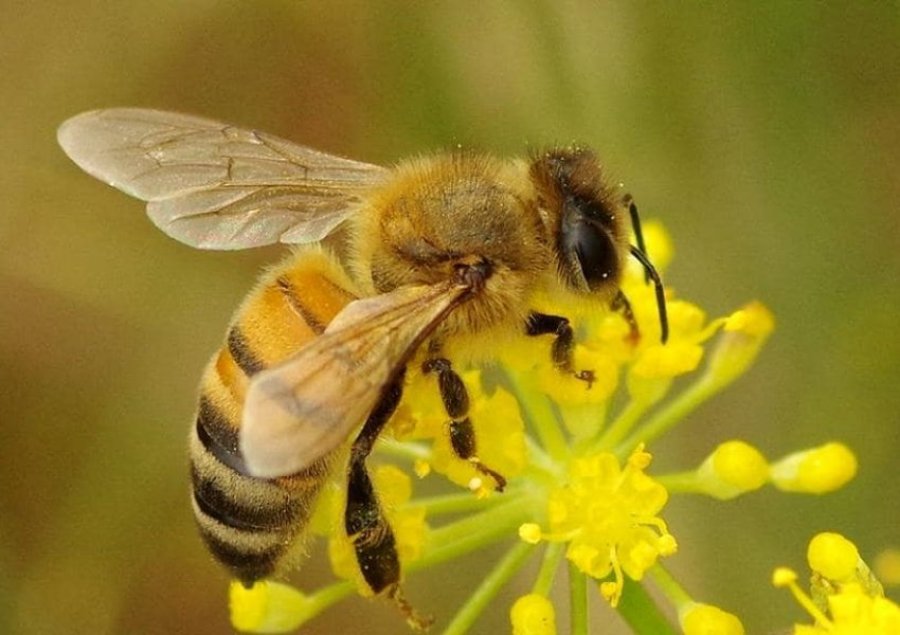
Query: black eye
{"points": [[589, 247]]}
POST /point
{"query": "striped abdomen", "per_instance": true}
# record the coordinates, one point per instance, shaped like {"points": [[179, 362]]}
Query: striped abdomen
{"points": [[251, 524]]}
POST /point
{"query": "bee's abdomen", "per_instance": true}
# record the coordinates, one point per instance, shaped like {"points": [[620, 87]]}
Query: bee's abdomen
{"points": [[252, 524], [249, 524]]}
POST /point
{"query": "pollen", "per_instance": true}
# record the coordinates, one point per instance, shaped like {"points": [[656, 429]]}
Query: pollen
{"points": [[422, 468]]}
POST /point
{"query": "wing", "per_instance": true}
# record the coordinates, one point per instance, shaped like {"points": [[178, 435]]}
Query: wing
{"points": [[300, 410], [213, 186]]}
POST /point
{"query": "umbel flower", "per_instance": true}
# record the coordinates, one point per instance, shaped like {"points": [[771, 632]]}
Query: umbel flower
{"points": [[845, 597], [577, 460]]}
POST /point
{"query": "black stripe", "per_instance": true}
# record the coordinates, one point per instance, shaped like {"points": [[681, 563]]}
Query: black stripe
{"points": [[240, 351], [247, 566], [286, 288], [218, 437], [226, 509]]}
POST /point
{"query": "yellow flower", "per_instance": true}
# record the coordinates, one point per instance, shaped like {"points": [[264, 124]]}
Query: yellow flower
{"points": [[887, 566], [706, 619], [734, 468], [500, 443], [607, 514], [815, 471], [268, 607], [832, 556], [846, 598], [745, 332], [533, 614]]}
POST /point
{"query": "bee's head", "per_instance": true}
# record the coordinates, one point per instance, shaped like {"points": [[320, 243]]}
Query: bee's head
{"points": [[585, 217]]}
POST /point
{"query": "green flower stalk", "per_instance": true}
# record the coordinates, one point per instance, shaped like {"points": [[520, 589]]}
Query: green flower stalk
{"points": [[576, 458]]}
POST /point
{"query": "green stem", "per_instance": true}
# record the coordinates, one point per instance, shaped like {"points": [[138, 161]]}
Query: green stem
{"points": [[674, 411], [583, 421], [540, 465], [673, 591], [410, 450], [680, 483], [641, 613], [550, 564], [475, 532], [326, 596], [622, 424], [540, 414], [511, 562], [578, 600], [457, 503]]}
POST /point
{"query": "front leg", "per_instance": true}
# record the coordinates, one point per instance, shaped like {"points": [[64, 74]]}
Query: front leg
{"points": [[563, 348], [621, 304], [456, 404]]}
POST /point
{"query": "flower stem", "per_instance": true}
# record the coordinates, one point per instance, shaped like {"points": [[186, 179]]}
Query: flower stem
{"points": [[404, 449], [668, 585], [540, 414], [326, 596], [673, 412], [578, 601], [455, 503], [680, 482], [540, 465], [641, 613], [622, 424], [489, 587], [474, 532], [552, 555]]}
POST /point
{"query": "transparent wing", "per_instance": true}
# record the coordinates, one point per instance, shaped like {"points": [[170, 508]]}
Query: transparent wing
{"points": [[212, 185], [300, 410]]}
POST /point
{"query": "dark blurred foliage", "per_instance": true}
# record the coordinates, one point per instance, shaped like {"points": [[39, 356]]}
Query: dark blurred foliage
{"points": [[766, 135]]}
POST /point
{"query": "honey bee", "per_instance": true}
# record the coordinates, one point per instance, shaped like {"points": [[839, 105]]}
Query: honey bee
{"points": [[438, 249]]}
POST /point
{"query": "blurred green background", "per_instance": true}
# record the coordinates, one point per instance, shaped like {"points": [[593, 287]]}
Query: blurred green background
{"points": [[765, 135]]}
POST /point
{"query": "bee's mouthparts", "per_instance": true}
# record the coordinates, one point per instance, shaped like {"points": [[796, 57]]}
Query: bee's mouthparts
{"points": [[474, 274]]}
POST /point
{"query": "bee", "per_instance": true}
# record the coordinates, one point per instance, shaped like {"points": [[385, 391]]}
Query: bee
{"points": [[439, 249]]}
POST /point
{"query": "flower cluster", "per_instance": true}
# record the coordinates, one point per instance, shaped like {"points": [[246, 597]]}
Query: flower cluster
{"points": [[845, 597], [576, 460]]}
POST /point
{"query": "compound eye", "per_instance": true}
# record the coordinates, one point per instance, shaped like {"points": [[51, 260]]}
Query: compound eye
{"points": [[594, 253]]}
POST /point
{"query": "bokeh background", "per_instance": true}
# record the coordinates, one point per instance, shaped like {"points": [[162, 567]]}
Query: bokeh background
{"points": [[765, 135]]}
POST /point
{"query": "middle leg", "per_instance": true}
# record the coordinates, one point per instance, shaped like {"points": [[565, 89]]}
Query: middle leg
{"points": [[456, 404]]}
